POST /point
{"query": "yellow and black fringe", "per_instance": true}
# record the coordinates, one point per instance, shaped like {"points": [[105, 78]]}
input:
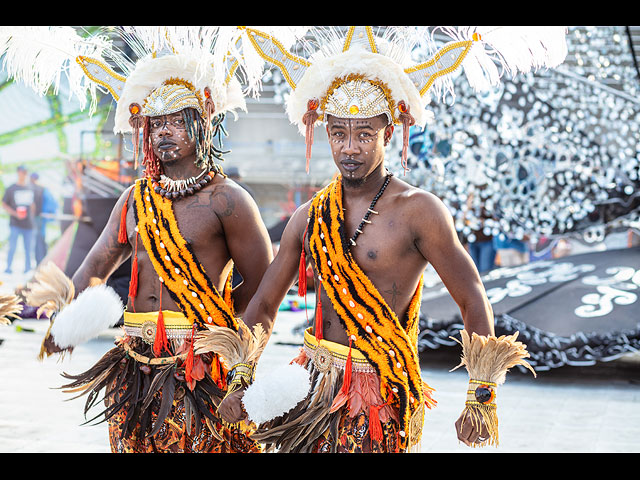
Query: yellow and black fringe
{"points": [[377, 332]]}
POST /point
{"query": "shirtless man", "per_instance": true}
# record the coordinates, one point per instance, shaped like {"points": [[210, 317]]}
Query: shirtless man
{"points": [[221, 222], [369, 237], [221, 227], [411, 229]]}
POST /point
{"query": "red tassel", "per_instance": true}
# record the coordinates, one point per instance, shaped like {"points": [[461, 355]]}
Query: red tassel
{"points": [[318, 325], [122, 232], [160, 343], [302, 275], [309, 119], [133, 282], [302, 269], [375, 427], [188, 366], [346, 382], [407, 121]]}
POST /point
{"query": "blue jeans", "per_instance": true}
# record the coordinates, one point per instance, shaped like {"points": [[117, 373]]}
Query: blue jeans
{"points": [[483, 255], [40, 243], [27, 236]]}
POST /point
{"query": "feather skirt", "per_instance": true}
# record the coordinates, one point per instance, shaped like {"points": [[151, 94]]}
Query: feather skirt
{"points": [[152, 408], [330, 421]]}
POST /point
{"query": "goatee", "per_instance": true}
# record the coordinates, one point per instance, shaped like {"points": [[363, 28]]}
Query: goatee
{"points": [[353, 182]]}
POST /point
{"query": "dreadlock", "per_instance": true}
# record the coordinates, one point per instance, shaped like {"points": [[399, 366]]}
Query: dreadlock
{"points": [[206, 151]]}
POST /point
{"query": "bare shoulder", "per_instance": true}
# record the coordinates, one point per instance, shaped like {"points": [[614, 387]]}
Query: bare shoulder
{"points": [[229, 199], [418, 201], [297, 224]]}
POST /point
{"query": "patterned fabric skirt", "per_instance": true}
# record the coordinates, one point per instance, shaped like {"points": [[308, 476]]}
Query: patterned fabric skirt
{"points": [[174, 437]]}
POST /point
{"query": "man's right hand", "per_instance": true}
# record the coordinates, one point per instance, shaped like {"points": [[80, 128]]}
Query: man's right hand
{"points": [[231, 409], [50, 346]]}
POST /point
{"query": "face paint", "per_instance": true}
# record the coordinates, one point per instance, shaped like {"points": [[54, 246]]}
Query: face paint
{"points": [[357, 145], [169, 137]]}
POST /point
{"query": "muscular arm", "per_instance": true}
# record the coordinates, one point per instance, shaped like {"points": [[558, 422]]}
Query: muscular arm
{"points": [[439, 244], [280, 275], [107, 254], [247, 240]]}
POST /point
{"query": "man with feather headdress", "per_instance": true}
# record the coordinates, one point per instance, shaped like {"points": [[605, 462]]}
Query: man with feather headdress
{"points": [[368, 236], [185, 226]]}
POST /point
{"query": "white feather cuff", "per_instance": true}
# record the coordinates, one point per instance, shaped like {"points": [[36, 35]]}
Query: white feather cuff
{"points": [[94, 310], [274, 394]]}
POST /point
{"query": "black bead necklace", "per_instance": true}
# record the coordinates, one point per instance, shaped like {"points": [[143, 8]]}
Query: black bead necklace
{"points": [[370, 210]]}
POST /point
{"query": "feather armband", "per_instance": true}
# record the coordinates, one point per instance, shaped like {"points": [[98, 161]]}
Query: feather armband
{"points": [[269, 396], [73, 321], [238, 351], [487, 360]]}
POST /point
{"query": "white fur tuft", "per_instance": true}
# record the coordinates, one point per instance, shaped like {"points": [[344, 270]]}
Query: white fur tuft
{"points": [[275, 393], [94, 310]]}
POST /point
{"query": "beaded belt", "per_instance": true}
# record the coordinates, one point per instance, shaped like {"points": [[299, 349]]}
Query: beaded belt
{"points": [[326, 354], [143, 325]]}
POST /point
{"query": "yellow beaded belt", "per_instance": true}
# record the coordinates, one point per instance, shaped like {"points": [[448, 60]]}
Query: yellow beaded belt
{"points": [[326, 354], [143, 325]]}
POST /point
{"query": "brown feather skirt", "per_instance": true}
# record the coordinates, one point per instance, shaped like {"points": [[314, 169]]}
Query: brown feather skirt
{"points": [[152, 408], [329, 421]]}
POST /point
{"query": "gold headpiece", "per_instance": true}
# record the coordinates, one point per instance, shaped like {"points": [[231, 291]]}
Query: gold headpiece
{"points": [[356, 97], [170, 98], [173, 66]]}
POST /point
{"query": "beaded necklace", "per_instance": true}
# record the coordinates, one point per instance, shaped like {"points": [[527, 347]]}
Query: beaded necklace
{"points": [[172, 189], [370, 210]]}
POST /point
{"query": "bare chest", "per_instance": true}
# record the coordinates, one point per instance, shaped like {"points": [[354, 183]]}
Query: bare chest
{"points": [[200, 228]]}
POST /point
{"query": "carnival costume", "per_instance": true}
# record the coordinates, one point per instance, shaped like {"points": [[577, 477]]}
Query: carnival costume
{"points": [[369, 395], [160, 395]]}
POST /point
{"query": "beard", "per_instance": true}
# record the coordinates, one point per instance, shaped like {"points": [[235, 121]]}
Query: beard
{"points": [[353, 182]]}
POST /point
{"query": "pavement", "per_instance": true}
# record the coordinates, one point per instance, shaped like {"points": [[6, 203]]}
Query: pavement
{"points": [[567, 410]]}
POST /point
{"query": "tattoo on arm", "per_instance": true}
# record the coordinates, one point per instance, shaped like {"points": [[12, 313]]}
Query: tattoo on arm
{"points": [[224, 204], [219, 200]]}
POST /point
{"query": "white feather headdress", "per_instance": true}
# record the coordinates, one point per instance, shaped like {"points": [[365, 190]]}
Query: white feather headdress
{"points": [[384, 58], [202, 56]]}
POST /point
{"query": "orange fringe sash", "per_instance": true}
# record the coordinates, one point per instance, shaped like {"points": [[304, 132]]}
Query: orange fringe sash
{"points": [[373, 327], [176, 265]]}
